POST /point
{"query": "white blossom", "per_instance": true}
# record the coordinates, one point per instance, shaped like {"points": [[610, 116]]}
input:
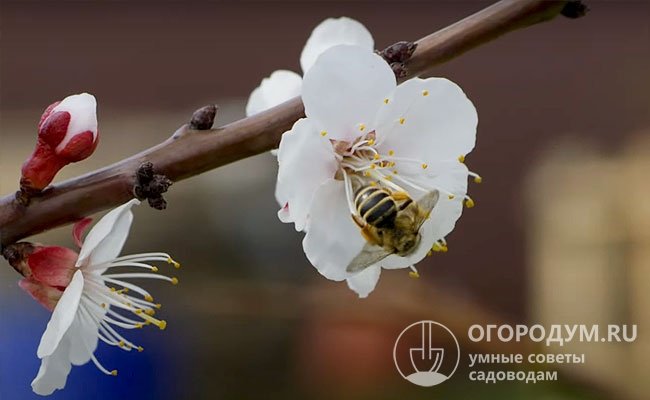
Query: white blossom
{"points": [[96, 302], [283, 85], [360, 124]]}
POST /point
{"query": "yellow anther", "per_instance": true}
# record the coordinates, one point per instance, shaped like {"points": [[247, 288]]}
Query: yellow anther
{"points": [[373, 166], [113, 289], [114, 372], [371, 142], [425, 166], [478, 179], [140, 349], [121, 343], [138, 311], [392, 164], [395, 171], [149, 311], [373, 183], [139, 325], [174, 281], [366, 173], [414, 274], [461, 158], [154, 269], [376, 156], [437, 247], [162, 325], [469, 203], [158, 306], [444, 248], [451, 197], [178, 265], [386, 101], [323, 133], [402, 120], [391, 153], [425, 93], [103, 305], [429, 253], [362, 127], [388, 178], [148, 297]]}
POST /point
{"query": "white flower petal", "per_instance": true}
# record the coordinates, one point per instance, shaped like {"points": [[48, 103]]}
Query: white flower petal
{"points": [[332, 238], [281, 86], [428, 119], [54, 370], [344, 90], [105, 240], [365, 281], [332, 32], [306, 160], [83, 116], [62, 317], [83, 334]]}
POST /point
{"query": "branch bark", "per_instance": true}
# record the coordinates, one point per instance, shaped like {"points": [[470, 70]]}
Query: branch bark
{"points": [[190, 152]]}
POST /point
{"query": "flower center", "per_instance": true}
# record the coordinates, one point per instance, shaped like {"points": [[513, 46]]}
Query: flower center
{"points": [[110, 302], [362, 164]]}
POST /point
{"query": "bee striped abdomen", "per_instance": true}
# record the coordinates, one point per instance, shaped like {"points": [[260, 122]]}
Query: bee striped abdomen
{"points": [[376, 207]]}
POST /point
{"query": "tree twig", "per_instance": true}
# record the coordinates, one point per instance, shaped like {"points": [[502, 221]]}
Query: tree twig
{"points": [[189, 152]]}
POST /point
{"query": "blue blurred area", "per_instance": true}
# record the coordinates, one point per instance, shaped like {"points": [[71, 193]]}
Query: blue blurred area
{"points": [[139, 374]]}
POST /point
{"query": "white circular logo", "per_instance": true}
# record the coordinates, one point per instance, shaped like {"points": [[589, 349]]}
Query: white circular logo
{"points": [[426, 353]]}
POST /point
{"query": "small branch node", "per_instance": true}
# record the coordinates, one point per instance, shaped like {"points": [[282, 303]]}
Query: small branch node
{"points": [[574, 9], [399, 69], [17, 254], [203, 118], [24, 197], [398, 52], [151, 186]]}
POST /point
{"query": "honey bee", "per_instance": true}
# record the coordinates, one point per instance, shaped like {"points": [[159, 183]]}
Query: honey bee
{"points": [[390, 221]]}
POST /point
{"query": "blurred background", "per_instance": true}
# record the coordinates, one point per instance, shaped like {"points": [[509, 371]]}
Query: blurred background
{"points": [[560, 233]]}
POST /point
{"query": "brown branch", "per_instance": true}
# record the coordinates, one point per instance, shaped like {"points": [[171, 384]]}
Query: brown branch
{"points": [[190, 152]]}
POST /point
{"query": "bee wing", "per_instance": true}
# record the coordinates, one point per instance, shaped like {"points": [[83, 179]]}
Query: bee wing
{"points": [[426, 204], [369, 255]]}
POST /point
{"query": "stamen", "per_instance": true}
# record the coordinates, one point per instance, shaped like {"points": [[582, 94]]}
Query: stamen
{"points": [[101, 367], [173, 262], [386, 101], [425, 93], [402, 120], [477, 177], [461, 158], [323, 133], [362, 127], [469, 203], [413, 273], [140, 275], [348, 193]]}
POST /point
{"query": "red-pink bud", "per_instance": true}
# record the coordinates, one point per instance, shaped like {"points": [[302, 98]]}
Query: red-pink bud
{"points": [[67, 132]]}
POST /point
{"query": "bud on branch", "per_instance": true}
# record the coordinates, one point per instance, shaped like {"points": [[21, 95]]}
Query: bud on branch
{"points": [[67, 133]]}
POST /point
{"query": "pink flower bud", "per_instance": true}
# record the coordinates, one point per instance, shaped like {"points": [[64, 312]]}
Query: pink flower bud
{"points": [[67, 132]]}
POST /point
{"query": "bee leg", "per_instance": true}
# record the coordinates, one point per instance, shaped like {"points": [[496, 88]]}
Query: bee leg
{"points": [[357, 220], [370, 238]]}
